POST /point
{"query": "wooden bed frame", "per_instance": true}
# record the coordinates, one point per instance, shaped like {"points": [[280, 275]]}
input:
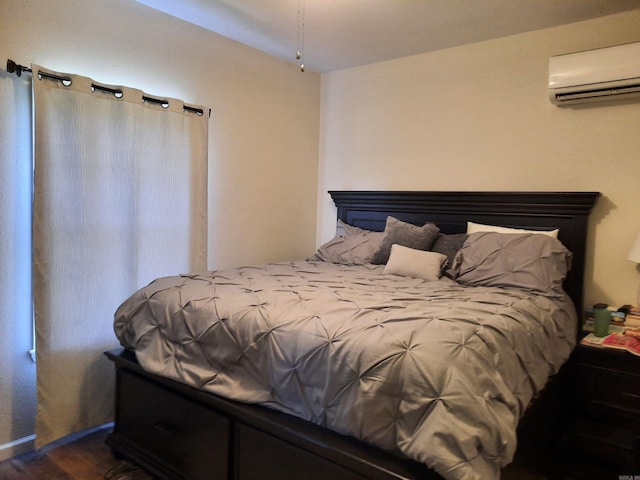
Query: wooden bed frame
{"points": [[177, 432]]}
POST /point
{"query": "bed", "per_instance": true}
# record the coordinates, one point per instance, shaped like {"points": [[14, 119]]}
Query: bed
{"points": [[347, 369]]}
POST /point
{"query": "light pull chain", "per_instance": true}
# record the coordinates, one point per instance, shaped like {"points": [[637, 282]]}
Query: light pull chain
{"points": [[300, 51]]}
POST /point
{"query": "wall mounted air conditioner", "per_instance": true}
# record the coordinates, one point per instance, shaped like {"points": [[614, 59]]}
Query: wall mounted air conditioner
{"points": [[610, 73]]}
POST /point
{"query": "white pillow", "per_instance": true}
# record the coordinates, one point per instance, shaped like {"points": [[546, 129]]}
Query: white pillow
{"points": [[478, 227], [409, 262]]}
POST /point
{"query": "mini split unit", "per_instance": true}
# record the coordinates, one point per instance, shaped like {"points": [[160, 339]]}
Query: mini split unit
{"points": [[605, 74]]}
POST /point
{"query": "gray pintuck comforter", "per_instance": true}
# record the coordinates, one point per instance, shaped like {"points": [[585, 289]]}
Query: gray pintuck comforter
{"points": [[434, 371]]}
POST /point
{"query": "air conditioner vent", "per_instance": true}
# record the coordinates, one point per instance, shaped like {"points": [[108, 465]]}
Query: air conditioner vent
{"points": [[610, 73], [595, 94]]}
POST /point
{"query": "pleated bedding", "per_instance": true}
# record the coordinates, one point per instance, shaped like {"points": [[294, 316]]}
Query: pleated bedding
{"points": [[432, 370]]}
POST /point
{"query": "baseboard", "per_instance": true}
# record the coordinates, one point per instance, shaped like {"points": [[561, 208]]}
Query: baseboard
{"points": [[17, 447], [27, 444]]}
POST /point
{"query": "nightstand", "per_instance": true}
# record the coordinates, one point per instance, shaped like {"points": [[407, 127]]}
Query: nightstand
{"points": [[604, 424]]}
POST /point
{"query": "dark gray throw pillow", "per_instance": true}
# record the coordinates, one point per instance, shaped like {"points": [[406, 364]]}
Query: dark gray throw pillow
{"points": [[449, 245], [405, 234]]}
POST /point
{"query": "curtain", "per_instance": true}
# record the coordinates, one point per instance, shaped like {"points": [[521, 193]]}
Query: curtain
{"points": [[17, 370], [120, 199]]}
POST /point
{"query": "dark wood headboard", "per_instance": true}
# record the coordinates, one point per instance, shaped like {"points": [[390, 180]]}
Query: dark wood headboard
{"points": [[567, 211]]}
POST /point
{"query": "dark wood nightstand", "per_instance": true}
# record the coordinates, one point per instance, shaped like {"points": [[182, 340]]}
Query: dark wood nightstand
{"points": [[605, 423]]}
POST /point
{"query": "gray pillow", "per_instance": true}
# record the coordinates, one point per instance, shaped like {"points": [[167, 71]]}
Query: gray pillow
{"points": [[405, 234], [351, 246], [538, 263], [343, 228], [449, 245]]}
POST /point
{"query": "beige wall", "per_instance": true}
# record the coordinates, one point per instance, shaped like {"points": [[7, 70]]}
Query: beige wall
{"points": [[477, 117], [473, 117], [263, 135], [263, 129]]}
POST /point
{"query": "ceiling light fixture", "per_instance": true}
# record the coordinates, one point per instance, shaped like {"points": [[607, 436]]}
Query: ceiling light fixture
{"points": [[300, 51]]}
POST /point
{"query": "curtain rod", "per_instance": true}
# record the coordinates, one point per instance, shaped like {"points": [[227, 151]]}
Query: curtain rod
{"points": [[13, 67]]}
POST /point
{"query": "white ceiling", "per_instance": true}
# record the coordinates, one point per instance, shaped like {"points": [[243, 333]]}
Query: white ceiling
{"points": [[345, 33]]}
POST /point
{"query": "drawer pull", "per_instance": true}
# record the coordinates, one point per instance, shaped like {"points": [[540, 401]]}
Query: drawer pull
{"points": [[166, 429]]}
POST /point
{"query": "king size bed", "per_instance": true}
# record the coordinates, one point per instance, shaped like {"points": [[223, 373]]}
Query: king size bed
{"points": [[418, 343]]}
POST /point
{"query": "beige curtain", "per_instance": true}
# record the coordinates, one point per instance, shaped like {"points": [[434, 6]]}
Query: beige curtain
{"points": [[120, 199]]}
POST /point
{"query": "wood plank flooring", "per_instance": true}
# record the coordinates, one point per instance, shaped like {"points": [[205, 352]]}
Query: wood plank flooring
{"points": [[88, 458], [85, 459]]}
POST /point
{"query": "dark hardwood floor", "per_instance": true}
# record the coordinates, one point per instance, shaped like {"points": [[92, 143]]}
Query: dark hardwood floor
{"points": [[88, 458]]}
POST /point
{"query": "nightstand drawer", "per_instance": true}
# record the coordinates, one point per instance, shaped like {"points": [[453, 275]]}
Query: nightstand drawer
{"points": [[608, 382], [598, 440], [608, 359], [605, 423], [172, 430], [609, 389]]}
